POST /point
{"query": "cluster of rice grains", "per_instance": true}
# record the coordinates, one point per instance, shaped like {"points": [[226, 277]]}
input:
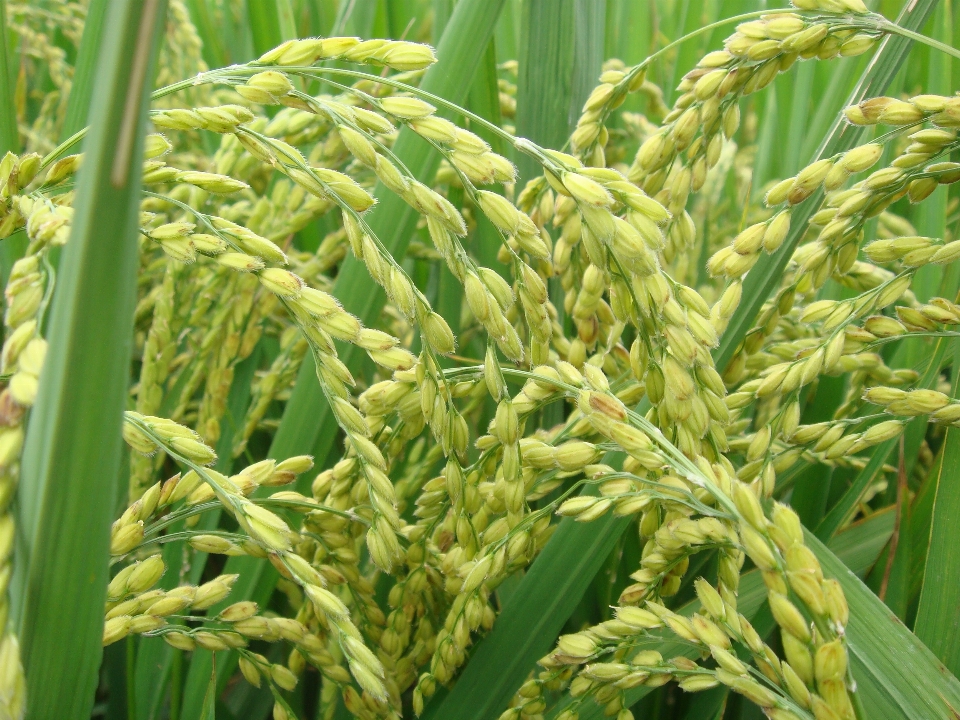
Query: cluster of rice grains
{"points": [[389, 566]]}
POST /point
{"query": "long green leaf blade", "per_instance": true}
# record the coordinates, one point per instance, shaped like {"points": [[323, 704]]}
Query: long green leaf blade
{"points": [[9, 134], [271, 22], [85, 72], [209, 711], [70, 468], [560, 58], [213, 51], [12, 247], [861, 544], [938, 615]]}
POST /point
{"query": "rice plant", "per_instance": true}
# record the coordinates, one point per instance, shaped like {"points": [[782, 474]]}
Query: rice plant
{"points": [[512, 359]]}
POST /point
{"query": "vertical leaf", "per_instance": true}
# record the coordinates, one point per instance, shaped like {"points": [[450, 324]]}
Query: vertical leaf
{"points": [[86, 69], [800, 107], [9, 135], [209, 709], [938, 615], [932, 220], [560, 57], [508, 31], [13, 247], [484, 100], [357, 17], [70, 468], [767, 144], [860, 545], [561, 51], [271, 22], [442, 10]]}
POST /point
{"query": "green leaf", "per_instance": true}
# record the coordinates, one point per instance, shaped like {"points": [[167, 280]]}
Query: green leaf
{"points": [[86, 69], [9, 134], [630, 30], [403, 18], [271, 22], [932, 220], [937, 614], [357, 18], [845, 506], [708, 705], [560, 57], [766, 275], [767, 145], [561, 52], [213, 52], [897, 675], [307, 424], [13, 247], [484, 100], [861, 544], [835, 81], [71, 468], [800, 106], [209, 709]]}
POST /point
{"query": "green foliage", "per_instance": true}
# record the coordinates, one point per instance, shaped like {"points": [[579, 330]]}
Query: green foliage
{"points": [[70, 468], [459, 383]]}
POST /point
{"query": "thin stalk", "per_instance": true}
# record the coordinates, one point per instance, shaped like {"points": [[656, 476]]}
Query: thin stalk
{"points": [[894, 29]]}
